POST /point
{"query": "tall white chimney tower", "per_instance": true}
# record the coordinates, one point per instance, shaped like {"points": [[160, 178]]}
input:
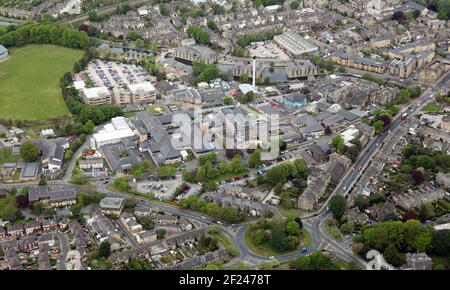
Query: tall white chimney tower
{"points": [[254, 72]]}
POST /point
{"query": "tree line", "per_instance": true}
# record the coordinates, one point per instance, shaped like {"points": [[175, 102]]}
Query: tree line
{"points": [[47, 33]]}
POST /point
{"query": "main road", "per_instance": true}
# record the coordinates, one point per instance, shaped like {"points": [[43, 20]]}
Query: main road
{"points": [[318, 218]]}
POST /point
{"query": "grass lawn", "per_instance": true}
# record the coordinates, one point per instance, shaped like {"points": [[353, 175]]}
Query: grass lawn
{"points": [[334, 232], [6, 157], [289, 212], [439, 260], [29, 82], [265, 250], [16, 176], [432, 107], [158, 109]]}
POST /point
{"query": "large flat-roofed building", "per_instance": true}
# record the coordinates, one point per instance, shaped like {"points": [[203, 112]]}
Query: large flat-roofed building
{"points": [[96, 96], [111, 206], [3, 52], [196, 54], [135, 93], [294, 43], [112, 133]]}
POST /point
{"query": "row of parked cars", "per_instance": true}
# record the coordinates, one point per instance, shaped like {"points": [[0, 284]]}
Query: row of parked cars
{"points": [[157, 187], [237, 178]]}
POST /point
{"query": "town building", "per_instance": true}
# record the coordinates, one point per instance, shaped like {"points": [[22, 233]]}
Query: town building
{"points": [[301, 69], [112, 206], [96, 96], [112, 133], [196, 54], [316, 187], [3, 52], [362, 63], [295, 100], [419, 261], [52, 197], [134, 94], [295, 44], [145, 237]]}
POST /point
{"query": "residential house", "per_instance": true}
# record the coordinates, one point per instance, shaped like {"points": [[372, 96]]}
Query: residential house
{"points": [[32, 227], [16, 230], [419, 261], [52, 197], [145, 237], [52, 153], [165, 220], [316, 187]]}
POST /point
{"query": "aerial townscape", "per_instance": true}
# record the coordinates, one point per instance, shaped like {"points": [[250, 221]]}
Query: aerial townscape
{"points": [[225, 134]]}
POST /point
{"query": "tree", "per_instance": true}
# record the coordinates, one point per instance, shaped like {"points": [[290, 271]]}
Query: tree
{"points": [[78, 179], [122, 183], [88, 128], [29, 152], [42, 182], [426, 211], [385, 118], [337, 206], [338, 143], [404, 96], [398, 16], [164, 9], [213, 26], [254, 159], [259, 237], [279, 239], [393, 257], [228, 101], [22, 200], [292, 228], [139, 43], [243, 78], [417, 176], [440, 242], [416, 235], [38, 208], [316, 261], [198, 34], [68, 155], [161, 233], [361, 202], [378, 125], [347, 228], [295, 4], [298, 220], [104, 250]]}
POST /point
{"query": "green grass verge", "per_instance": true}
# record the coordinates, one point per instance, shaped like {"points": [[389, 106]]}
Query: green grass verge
{"points": [[439, 260], [432, 108], [225, 241], [6, 157], [334, 232], [29, 82]]}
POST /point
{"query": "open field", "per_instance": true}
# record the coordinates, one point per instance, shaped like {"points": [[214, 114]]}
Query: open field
{"points": [[29, 82]]}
